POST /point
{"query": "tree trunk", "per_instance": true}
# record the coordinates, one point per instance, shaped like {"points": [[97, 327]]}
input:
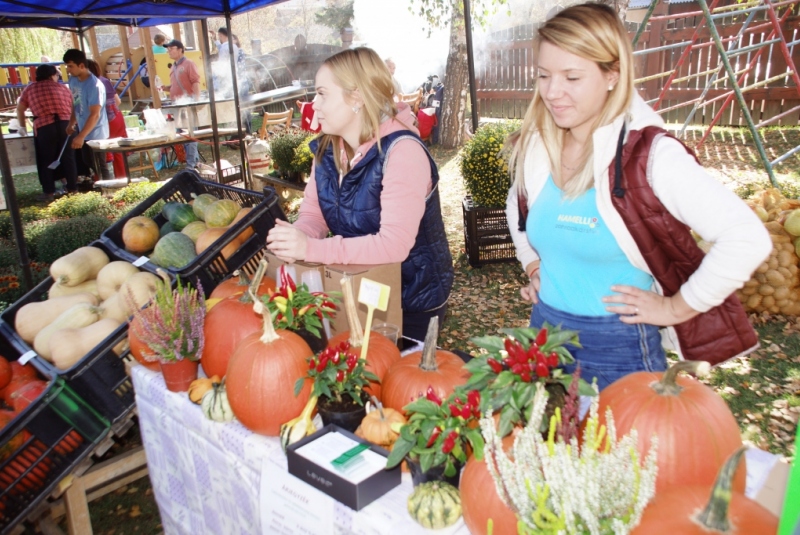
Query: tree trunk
{"points": [[454, 102]]}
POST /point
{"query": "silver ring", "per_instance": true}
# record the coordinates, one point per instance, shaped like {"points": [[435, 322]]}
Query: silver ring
{"points": [[637, 310]]}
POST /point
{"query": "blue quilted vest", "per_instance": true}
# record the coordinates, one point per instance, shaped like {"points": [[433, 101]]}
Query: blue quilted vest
{"points": [[354, 209]]}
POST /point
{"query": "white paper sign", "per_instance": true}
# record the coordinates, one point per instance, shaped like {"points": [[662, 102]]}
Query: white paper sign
{"points": [[142, 260], [290, 506]]}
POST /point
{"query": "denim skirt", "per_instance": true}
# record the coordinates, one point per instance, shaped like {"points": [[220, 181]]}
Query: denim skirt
{"points": [[610, 348]]}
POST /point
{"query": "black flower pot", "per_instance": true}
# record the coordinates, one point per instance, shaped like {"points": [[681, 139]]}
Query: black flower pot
{"points": [[434, 473], [347, 415], [316, 343]]}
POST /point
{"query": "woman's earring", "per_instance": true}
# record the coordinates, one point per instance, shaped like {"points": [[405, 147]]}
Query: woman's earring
{"points": [[611, 88], [356, 109]]}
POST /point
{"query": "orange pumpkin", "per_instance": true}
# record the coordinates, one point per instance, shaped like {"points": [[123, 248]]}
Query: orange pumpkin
{"points": [[410, 378], [5, 372], [238, 283], [138, 347], [688, 510], [381, 352], [248, 231], [208, 237], [261, 377], [695, 428]]}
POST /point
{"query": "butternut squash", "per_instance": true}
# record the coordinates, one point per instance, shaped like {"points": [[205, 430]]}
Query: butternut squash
{"points": [[141, 287], [68, 346], [112, 276], [78, 266], [116, 308], [34, 317], [57, 290], [75, 317]]}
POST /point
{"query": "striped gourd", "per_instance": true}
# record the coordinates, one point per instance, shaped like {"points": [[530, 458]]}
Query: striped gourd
{"points": [[435, 504]]}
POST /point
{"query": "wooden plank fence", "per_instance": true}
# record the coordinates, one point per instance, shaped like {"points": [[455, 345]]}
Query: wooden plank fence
{"points": [[505, 73]]}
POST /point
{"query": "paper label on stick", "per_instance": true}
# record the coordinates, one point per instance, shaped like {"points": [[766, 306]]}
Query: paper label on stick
{"points": [[374, 294], [26, 357]]}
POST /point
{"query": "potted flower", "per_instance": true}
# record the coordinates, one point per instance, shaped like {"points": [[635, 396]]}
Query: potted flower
{"points": [[439, 435], [512, 363], [172, 328], [297, 309], [339, 377]]}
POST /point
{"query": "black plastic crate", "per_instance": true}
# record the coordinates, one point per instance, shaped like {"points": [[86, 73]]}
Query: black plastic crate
{"points": [[48, 439], [486, 235], [100, 377], [209, 268]]}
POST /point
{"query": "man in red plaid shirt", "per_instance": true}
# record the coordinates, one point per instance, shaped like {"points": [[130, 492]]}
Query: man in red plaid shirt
{"points": [[51, 105]]}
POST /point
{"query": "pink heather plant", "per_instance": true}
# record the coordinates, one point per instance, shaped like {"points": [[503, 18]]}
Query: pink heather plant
{"points": [[172, 326]]}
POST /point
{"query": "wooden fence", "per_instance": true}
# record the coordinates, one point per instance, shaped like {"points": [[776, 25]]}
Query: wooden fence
{"points": [[505, 73]]}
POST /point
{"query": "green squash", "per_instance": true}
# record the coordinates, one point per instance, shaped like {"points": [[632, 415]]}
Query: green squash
{"points": [[194, 229], [165, 229], [435, 504], [221, 213], [169, 208], [201, 202], [174, 250], [215, 404], [181, 216]]}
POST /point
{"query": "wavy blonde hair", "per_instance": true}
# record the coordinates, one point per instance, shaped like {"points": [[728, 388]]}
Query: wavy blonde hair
{"points": [[361, 69], [594, 32]]}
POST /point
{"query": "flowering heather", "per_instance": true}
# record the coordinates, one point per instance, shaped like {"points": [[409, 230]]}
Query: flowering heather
{"points": [[172, 326]]}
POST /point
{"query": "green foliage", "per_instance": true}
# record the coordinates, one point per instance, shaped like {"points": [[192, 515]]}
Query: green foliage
{"points": [[303, 157], [440, 13], [790, 190], [136, 193], [80, 204], [50, 240], [28, 45], [283, 147], [484, 168], [336, 17], [27, 214]]}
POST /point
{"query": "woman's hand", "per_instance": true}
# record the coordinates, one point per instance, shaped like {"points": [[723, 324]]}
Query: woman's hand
{"points": [[635, 305], [530, 293], [286, 242]]}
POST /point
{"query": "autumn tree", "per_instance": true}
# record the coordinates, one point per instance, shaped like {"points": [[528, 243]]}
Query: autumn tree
{"points": [[28, 45]]}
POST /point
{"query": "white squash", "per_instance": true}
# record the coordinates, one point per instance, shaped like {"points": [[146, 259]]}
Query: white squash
{"points": [[142, 287], [215, 404], [34, 317], [68, 346], [80, 265], [116, 308], [112, 276], [75, 317], [57, 290]]}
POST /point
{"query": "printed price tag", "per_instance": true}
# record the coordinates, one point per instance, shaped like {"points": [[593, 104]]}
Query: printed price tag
{"points": [[26, 357], [142, 260], [374, 294]]}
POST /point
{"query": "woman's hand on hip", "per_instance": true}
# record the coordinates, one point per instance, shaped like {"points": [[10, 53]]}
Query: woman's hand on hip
{"points": [[635, 305], [286, 242], [530, 293]]}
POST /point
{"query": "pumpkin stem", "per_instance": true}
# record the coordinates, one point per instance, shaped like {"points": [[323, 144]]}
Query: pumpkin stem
{"points": [[379, 406], [428, 362], [252, 291], [715, 515], [269, 335], [667, 385], [356, 331]]}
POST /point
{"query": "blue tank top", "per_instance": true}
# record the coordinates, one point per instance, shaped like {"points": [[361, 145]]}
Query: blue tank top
{"points": [[581, 260]]}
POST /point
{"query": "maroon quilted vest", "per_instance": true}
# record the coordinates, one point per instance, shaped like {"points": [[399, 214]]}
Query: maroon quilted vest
{"points": [[672, 255]]}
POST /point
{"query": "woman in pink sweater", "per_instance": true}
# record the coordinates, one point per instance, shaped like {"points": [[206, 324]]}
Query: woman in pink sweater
{"points": [[373, 185]]}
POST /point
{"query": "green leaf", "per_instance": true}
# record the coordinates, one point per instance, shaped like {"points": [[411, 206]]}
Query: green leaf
{"points": [[508, 418], [298, 386], [422, 406], [476, 441], [490, 343], [504, 378], [400, 449], [523, 335], [479, 380], [476, 364], [501, 399], [426, 461], [449, 469]]}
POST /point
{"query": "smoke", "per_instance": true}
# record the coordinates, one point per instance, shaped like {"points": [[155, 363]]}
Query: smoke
{"points": [[392, 31]]}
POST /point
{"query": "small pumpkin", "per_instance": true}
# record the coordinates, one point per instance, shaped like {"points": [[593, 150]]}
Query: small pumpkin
{"points": [[435, 505], [199, 387], [140, 234], [688, 509], [215, 403], [379, 425], [221, 213], [201, 202]]}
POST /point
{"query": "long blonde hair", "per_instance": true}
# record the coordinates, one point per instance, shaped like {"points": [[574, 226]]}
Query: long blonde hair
{"points": [[594, 32], [361, 69]]}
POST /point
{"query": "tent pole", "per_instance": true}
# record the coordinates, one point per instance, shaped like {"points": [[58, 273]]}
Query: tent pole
{"points": [[126, 54], [473, 93], [236, 103], [81, 40], [75, 41], [146, 41], [211, 98], [13, 208]]}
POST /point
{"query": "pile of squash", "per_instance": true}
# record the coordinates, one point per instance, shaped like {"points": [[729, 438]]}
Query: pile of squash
{"points": [[189, 230], [89, 299], [775, 286]]}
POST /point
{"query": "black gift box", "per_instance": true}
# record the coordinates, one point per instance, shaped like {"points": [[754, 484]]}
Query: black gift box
{"points": [[355, 496]]}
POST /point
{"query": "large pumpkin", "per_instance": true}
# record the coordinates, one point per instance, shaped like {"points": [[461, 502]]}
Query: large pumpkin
{"points": [[238, 283], [410, 377], [707, 509], [138, 347], [695, 428], [261, 377], [227, 323], [381, 352]]}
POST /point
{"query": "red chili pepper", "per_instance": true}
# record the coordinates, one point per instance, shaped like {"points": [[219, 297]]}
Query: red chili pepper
{"points": [[517, 368], [340, 376], [508, 361], [294, 311], [434, 435], [318, 313], [525, 376], [450, 442], [542, 370], [552, 359], [430, 395], [541, 338], [312, 364], [336, 357], [466, 411], [494, 365], [474, 398], [455, 411], [350, 366], [508, 343], [344, 346]]}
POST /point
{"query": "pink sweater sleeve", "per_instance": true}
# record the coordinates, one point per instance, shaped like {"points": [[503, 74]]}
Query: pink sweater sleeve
{"points": [[406, 184]]}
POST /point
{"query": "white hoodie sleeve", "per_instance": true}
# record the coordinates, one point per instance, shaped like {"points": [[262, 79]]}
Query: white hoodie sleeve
{"points": [[740, 241], [525, 253]]}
